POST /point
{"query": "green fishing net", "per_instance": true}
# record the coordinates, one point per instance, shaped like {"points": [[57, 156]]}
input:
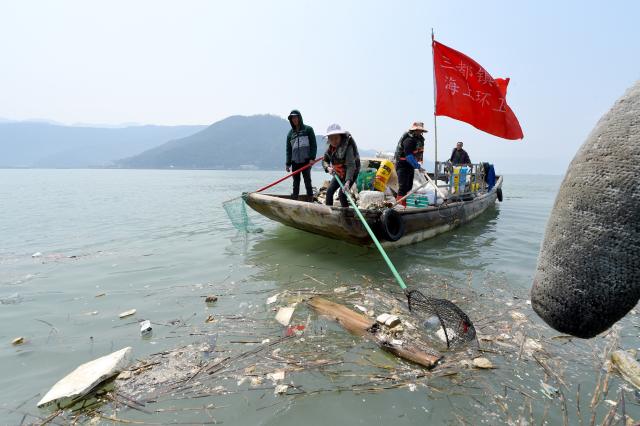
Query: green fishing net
{"points": [[236, 209]]}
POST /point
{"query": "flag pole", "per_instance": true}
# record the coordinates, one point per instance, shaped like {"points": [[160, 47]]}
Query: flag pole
{"points": [[435, 122]]}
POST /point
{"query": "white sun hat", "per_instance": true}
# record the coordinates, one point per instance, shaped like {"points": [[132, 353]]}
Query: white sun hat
{"points": [[335, 129]]}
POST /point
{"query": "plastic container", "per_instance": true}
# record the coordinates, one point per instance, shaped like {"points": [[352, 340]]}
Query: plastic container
{"points": [[459, 181], [418, 200], [368, 199], [382, 175], [464, 172], [365, 179]]}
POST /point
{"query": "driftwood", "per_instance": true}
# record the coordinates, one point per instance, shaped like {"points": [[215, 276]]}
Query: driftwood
{"points": [[360, 325]]}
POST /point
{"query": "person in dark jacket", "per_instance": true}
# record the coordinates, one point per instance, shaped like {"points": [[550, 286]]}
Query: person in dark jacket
{"points": [[408, 153], [301, 149], [341, 159], [459, 156]]}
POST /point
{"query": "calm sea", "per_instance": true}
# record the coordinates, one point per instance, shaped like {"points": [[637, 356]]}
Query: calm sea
{"points": [[157, 241]]}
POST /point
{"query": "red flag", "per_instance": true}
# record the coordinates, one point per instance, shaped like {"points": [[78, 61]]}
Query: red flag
{"points": [[467, 92], [502, 85]]}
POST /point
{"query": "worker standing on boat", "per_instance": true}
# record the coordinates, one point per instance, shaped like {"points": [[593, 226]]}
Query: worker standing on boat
{"points": [[301, 149], [459, 156], [409, 150], [342, 159]]}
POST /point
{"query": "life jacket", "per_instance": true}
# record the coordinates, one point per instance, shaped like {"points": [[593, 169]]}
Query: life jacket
{"points": [[337, 157], [400, 155]]}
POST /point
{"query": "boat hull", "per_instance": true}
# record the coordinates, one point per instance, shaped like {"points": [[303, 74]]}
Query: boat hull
{"points": [[343, 224]]}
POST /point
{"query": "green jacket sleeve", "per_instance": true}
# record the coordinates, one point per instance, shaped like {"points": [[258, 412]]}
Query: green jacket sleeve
{"points": [[313, 147], [288, 149]]}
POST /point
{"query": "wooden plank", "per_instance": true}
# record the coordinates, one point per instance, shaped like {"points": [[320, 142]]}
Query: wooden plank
{"points": [[359, 324], [354, 322]]}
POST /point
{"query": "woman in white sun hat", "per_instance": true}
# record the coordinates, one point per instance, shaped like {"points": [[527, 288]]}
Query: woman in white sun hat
{"points": [[341, 159]]}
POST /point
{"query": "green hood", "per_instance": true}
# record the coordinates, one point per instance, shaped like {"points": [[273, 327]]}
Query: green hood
{"points": [[295, 112]]}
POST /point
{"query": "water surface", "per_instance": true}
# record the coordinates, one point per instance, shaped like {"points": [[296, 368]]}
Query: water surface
{"points": [[157, 241]]}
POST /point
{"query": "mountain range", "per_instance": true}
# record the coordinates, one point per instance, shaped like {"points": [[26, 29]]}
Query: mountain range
{"points": [[247, 142], [257, 141], [45, 145]]}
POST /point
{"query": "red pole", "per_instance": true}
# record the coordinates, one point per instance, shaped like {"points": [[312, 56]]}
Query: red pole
{"points": [[289, 175]]}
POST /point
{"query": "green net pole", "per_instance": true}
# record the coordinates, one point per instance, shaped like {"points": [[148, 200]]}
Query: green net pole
{"points": [[394, 271]]}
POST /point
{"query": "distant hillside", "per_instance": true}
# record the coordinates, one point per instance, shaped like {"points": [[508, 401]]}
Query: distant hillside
{"points": [[257, 141], [38, 144]]}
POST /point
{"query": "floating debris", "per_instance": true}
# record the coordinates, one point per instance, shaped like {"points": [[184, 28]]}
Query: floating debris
{"points": [[36, 254], [549, 391], [280, 389], [483, 363], [272, 299], [294, 330], [86, 377], [211, 299], [17, 341], [276, 376], [12, 299], [415, 351], [361, 308], [127, 313], [101, 294], [450, 335], [388, 320], [531, 346], [342, 289], [145, 328], [181, 379], [284, 314], [209, 319], [518, 316], [626, 364], [125, 375]]}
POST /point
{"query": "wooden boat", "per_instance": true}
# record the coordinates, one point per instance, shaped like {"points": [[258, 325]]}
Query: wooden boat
{"points": [[341, 223]]}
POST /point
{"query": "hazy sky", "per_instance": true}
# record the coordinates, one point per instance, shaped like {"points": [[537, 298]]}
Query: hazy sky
{"points": [[363, 64]]}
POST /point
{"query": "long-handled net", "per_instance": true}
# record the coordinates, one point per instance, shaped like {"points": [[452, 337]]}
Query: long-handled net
{"points": [[236, 208], [456, 325]]}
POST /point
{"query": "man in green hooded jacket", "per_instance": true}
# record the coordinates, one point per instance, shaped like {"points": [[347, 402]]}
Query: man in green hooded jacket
{"points": [[301, 149]]}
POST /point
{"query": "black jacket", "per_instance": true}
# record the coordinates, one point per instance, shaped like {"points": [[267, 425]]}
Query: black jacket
{"points": [[409, 143], [459, 157]]}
